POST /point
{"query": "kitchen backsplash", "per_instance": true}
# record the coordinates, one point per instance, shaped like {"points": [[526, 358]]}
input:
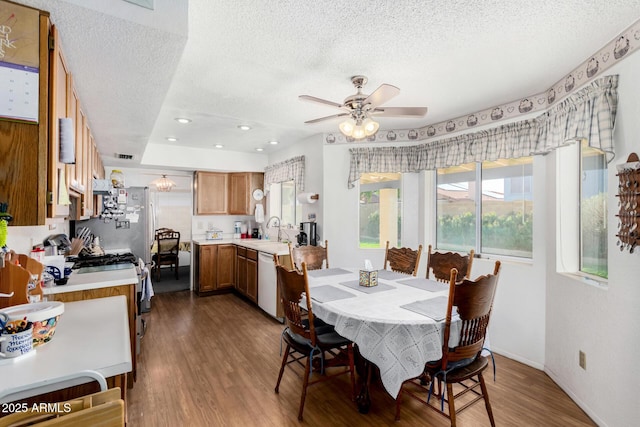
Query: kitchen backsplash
{"points": [[225, 223], [22, 239]]}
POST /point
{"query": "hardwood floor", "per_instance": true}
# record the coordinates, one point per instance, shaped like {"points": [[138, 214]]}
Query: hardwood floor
{"points": [[214, 361]]}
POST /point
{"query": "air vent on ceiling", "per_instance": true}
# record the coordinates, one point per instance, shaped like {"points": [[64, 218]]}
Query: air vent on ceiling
{"points": [[124, 156]]}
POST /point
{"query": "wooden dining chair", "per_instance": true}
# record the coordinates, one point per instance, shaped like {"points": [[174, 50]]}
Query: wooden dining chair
{"points": [[439, 265], [313, 256], [320, 349], [463, 364], [168, 244], [402, 260]]}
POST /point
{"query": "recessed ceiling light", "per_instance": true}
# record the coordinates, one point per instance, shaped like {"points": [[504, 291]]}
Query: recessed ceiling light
{"points": [[259, 149], [219, 146], [172, 138], [183, 120], [244, 127], [273, 142]]}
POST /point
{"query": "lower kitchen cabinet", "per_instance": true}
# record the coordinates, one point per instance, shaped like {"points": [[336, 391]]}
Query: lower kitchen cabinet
{"points": [[215, 267], [247, 273]]}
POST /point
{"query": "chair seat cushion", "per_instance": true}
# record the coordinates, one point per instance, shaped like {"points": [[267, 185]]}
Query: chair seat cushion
{"points": [[461, 371], [326, 340], [319, 325]]}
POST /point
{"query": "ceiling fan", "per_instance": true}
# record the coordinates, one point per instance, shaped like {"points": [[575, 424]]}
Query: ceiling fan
{"points": [[359, 109]]}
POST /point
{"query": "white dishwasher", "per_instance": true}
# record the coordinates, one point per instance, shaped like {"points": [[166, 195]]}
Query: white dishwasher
{"points": [[267, 284]]}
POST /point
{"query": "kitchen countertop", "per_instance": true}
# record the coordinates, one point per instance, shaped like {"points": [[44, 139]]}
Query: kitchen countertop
{"points": [[268, 246], [84, 281], [91, 335]]}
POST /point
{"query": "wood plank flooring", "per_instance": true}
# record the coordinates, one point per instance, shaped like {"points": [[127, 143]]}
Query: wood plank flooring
{"points": [[214, 361]]}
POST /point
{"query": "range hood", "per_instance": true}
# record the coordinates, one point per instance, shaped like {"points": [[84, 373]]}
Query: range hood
{"points": [[102, 186]]}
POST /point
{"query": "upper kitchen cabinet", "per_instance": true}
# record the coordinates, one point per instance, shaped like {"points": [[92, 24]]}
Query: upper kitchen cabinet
{"points": [[80, 174], [60, 78], [218, 193], [211, 190], [23, 147], [241, 185]]}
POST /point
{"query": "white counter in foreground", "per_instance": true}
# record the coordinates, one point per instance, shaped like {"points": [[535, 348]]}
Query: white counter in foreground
{"points": [[84, 281], [267, 246], [91, 335]]}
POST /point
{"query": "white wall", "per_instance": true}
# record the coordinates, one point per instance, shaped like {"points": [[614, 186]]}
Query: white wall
{"points": [[22, 239], [602, 322], [312, 149]]}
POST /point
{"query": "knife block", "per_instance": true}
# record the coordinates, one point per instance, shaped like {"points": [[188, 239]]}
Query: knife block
{"points": [[13, 279]]}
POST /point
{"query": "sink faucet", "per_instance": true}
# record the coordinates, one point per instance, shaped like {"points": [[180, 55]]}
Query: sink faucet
{"points": [[279, 225]]}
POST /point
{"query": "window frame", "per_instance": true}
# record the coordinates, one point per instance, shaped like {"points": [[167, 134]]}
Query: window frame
{"points": [[275, 208], [400, 187], [478, 192], [581, 144]]}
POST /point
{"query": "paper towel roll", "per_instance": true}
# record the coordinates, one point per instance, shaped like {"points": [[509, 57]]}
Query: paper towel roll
{"points": [[67, 141], [307, 198]]}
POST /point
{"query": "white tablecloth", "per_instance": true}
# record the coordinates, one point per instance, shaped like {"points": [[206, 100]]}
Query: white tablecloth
{"points": [[397, 340]]}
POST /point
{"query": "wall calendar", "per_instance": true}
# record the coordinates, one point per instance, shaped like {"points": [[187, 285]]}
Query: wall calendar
{"points": [[19, 62]]}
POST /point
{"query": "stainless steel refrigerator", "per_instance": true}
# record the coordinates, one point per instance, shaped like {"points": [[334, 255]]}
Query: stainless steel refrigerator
{"points": [[129, 227]]}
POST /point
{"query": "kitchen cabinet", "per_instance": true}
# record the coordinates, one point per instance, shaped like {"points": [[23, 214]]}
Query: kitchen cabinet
{"points": [[34, 182], [247, 273], [215, 269], [252, 275], [211, 193], [23, 150], [88, 163], [241, 185], [241, 270], [57, 184], [218, 193]]}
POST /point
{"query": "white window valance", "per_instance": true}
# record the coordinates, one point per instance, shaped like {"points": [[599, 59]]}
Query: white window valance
{"points": [[290, 169], [589, 113]]}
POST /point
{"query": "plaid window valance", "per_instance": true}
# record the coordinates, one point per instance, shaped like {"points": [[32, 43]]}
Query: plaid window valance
{"points": [[588, 114], [290, 169]]}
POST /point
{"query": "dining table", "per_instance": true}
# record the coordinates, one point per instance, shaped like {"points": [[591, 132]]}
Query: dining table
{"points": [[397, 325]]}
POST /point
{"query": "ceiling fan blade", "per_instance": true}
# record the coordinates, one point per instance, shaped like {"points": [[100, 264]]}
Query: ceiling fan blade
{"points": [[319, 100], [335, 116], [399, 111], [381, 95]]}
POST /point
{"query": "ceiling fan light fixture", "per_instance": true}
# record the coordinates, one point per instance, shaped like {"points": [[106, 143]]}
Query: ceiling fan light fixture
{"points": [[358, 131], [164, 184], [347, 127], [370, 126]]}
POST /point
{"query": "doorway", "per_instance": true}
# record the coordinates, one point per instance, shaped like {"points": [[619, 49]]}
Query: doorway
{"points": [[173, 210]]}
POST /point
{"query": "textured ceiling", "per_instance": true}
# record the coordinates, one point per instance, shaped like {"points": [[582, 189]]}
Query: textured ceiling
{"points": [[247, 62]]}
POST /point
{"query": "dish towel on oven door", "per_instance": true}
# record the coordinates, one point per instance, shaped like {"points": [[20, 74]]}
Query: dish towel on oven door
{"points": [[147, 286]]}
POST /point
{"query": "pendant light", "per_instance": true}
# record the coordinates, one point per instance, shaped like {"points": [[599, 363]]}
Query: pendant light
{"points": [[164, 184]]}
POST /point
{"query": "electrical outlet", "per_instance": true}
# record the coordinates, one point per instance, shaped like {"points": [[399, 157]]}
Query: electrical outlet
{"points": [[582, 360]]}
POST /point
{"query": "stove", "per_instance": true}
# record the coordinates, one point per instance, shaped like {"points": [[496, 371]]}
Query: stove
{"points": [[103, 260]]}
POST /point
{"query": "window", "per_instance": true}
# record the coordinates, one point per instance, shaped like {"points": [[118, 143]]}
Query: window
{"points": [[503, 202], [380, 210], [456, 208], [593, 211], [283, 202]]}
